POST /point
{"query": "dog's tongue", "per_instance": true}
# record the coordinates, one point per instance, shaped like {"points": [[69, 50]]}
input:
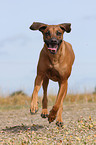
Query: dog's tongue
{"points": [[53, 49]]}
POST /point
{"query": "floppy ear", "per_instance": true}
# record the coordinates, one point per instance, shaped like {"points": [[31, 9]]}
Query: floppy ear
{"points": [[66, 27], [38, 26]]}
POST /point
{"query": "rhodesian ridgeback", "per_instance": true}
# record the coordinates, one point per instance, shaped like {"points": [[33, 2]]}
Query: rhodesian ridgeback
{"points": [[55, 63]]}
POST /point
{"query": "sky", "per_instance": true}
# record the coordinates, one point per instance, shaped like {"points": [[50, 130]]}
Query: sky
{"points": [[20, 47]]}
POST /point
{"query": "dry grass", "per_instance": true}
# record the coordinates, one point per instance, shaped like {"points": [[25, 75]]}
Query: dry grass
{"points": [[19, 99], [80, 98]]}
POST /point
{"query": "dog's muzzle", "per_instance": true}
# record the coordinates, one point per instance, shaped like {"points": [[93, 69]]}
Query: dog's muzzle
{"points": [[53, 45]]}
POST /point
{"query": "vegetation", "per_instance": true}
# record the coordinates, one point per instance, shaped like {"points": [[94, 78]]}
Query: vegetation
{"points": [[19, 99]]}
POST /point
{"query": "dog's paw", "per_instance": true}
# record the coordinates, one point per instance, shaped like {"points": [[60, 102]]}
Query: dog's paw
{"points": [[44, 113], [52, 115], [59, 124], [33, 112], [33, 108]]}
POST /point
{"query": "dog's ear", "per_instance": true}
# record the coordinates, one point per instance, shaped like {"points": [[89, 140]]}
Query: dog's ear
{"points": [[65, 27], [38, 26]]}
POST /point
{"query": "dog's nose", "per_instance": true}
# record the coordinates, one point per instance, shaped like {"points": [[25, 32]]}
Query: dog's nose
{"points": [[53, 40]]}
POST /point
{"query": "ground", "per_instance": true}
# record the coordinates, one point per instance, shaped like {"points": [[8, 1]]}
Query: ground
{"points": [[19, 127]]}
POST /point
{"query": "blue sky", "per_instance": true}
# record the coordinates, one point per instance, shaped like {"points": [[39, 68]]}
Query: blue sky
{"points": [[20, 47]]}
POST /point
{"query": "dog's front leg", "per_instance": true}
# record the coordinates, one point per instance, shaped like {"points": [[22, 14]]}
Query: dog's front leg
{"points": [[59, 121], [44, 113], [34, 99], [60, 97]]}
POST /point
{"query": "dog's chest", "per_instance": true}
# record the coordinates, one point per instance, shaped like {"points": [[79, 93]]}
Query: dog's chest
{"points": [[57, 71]]}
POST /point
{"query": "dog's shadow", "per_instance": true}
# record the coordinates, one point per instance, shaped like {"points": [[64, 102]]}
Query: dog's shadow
{"points": [[21, 128]]}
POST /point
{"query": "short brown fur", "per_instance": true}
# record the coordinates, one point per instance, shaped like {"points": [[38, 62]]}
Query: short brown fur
{"points": [[56, 67]]}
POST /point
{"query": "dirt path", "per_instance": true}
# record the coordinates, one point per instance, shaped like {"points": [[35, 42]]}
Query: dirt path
{"points": [[20, 127]]}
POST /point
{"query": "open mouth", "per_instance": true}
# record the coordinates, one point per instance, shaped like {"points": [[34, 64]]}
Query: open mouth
{"points": [[53, 46], [53, 49]]}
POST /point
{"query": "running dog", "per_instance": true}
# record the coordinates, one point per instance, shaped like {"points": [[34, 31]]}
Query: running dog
{"points": [[55, 63]]}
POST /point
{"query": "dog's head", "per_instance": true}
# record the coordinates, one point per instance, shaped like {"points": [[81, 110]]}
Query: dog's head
{"points": [[52, 34]]}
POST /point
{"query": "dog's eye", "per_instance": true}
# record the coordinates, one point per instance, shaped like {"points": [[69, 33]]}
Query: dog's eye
{"points": [[59, 33], [47, 33]]}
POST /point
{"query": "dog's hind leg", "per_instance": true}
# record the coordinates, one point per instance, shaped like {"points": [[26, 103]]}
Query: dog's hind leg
{"points": [[44, 113], [34, 99]]}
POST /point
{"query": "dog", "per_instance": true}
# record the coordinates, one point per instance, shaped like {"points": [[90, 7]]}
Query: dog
{"points": [[55, 63]]}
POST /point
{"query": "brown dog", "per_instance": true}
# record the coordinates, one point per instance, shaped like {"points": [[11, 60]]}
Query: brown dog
{"points": [[55, 63]]}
